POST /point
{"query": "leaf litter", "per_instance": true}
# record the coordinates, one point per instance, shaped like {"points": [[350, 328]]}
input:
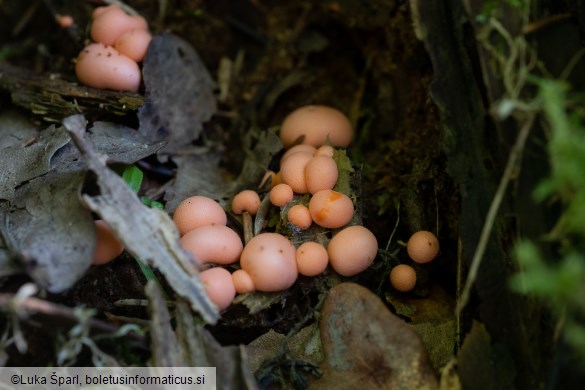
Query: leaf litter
{"points": [[156, 126], [147, 233], [25, 161], [190, 345], [45, 223], [43, 220]]}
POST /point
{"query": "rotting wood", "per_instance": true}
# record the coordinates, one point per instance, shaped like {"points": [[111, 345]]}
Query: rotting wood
{"points": [[54, 98]]}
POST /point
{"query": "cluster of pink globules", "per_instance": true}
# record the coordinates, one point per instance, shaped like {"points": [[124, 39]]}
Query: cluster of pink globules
{"points": [[269, 261], [120, 42]]}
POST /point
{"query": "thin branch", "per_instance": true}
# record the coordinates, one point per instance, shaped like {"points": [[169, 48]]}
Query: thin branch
{"points": [[59, 315], [395, 227], [510, 172], [571, 65]]}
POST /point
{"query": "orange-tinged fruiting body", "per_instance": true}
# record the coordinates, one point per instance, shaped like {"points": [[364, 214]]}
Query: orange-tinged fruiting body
{"points": [[197, 211], [352, 250], [422, 247], [403, 277], [292, 171], [64, 21], [321, 174], [110, 22], [296, 149], [99, 11], [243, 282], [134, 44], [213, 244], [313, 125], [269, 259], [281, 194], [325, 150], [107, 246], [246, 201], [103, 67], [312, 258], [300, 216], [219, 286], [331, 209]]}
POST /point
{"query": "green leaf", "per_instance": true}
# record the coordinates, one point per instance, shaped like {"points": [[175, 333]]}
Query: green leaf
{"points": [[133, 177], [152, 203], [149, 275], [345, 169]]}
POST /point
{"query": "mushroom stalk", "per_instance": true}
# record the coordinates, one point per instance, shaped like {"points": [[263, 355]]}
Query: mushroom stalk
{"points": [[248, 227]]}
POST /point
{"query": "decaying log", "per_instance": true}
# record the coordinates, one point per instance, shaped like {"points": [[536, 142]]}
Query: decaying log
{"points": [[54, 98]]}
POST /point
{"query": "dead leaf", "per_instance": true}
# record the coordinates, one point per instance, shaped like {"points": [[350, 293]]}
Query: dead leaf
{"points": [[120, 144], [198, 175], [39, 206], [257, 301], [15, 129], [51, 229], [166, 351], [304, 345], [147, 233], [193, 346], [345, 169], [204, 351], [202, 175], [45, 221], [481, 364], [21, 162], [179, 93], [260, 147]]}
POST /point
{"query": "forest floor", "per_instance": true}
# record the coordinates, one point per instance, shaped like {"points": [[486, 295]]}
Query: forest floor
{"points": [[266, 59]]}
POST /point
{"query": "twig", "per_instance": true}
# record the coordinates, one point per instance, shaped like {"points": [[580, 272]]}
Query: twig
{"points": [[139, 302], [571, 65], [395, 227], [46, 310], [546, 22], [127, 320], [458, 330], [510, 172], [25, 18], [515, 69]]}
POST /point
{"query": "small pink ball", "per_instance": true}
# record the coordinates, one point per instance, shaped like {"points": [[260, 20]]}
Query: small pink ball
{"points": [[300, 216], [422, 247], [403, 277], [269, 259], [352, 250], [101, 66], [312, 258], [197, 211], [109, 23], [134, 44], [243, 282], [219, 286], [281, 194]]}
